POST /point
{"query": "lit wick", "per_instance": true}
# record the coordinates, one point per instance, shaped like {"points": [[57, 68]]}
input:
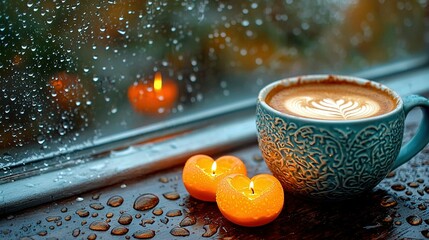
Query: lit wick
{"points": [[214, 166], [251, 187], [157, 83]]}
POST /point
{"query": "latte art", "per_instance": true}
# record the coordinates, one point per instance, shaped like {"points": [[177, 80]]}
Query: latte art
{"points": [[332, 109], [331, 100]]}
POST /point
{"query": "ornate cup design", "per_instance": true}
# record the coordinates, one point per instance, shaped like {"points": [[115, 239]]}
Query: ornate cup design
{"points": [[335, 160]]}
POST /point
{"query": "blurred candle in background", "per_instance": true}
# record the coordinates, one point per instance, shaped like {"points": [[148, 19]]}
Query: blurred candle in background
{"points": [[157, 97]]}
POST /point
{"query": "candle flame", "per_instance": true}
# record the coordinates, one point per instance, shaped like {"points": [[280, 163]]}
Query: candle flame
{"points": [[214, 166], [251, 186], [157, 83]]}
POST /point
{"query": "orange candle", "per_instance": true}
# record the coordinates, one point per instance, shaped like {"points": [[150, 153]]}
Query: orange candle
{"points": [[202, 174], [155, 98], [250, 202]]}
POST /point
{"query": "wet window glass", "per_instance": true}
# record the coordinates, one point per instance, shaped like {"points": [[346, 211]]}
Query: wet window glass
{"points": [[76, 74]]}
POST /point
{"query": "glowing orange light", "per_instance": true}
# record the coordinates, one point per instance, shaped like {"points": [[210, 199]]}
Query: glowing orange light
{"points": [[251, 186], [157, 83], [202, 174], [155, 97], [241, 204], [214, 166]]}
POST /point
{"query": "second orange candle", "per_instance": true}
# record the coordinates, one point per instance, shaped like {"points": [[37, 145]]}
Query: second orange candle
{"points": [[250, 202]]}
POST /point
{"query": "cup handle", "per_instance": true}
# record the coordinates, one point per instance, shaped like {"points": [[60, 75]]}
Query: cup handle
{"points": [[419, 141]]}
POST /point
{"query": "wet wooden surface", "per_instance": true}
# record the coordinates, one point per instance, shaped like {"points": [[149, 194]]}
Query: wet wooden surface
{"points": [[395, 209]]}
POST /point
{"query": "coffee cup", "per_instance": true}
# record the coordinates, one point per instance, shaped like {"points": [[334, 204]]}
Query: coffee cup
{"points": [[334, 137]]}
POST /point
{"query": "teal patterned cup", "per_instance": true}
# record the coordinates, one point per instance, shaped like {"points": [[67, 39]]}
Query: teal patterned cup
{"points": [[336, 160]]}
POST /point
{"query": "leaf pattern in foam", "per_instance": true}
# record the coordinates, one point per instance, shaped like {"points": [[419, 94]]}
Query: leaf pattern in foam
{"points": [[328, 108]]}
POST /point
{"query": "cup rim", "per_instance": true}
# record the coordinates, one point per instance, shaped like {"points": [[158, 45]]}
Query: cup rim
{"points": [[315, 77]]}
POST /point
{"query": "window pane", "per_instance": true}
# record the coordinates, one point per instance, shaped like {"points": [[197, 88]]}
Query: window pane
{"points": [[76, 72]]}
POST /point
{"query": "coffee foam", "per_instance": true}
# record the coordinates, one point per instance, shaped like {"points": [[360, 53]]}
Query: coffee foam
{"points": [[331, 100], [332, 109]]}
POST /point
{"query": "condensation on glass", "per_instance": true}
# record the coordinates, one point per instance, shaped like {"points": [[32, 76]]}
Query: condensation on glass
{"points": [[72, 72]]}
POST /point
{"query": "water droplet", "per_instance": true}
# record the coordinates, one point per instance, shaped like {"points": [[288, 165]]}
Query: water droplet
{"points": [[120, 230], [123, 185], [174, 213], [413, 184], [388, 201], [425, 233], [145, 202], [391, 174], [40, 139], [171, 195], [96, 196], [79, 199], [94, 214], [67, 218], [96, 206], [210, 230], [179, 232], [164, 220], [125, 219], [146, 221], [163, 179], [398, 187], [414, 220], [53, 218], [427, 190], [115, 201], [82, 212], [92, 236], [109, 215], [64, 209], [422, 206], [122, 32], [146, 234], [42, 233], [257, 157], [157, 211], [388, 219], [188, 221], [76, 232], [99, 226]]}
